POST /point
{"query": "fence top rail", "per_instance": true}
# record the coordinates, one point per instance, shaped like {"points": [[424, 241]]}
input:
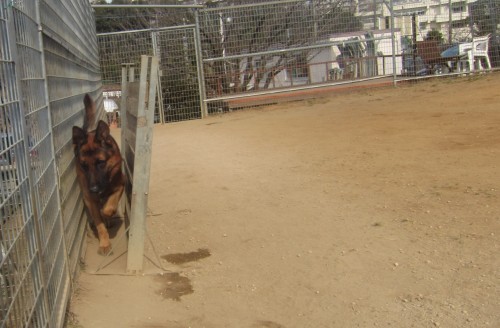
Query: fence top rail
{"points": [[150, 6], [197, 6], [285, 50], [285, 90], [156, 29], [250, 5]]}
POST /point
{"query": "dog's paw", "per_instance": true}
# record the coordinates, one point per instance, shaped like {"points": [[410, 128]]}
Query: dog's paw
{"points": [[104, 250], [108, 211]]}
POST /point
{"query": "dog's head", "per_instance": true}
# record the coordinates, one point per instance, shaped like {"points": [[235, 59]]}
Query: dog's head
{"points": [[97, 155]]}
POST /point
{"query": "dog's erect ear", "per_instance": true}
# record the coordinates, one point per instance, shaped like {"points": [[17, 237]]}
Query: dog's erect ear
{"points": [[79, 136], [102, 133], [87, 101], [89, 118]]}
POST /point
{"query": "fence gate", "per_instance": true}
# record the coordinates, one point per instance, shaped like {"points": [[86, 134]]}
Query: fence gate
{"points": [[179, 88]]}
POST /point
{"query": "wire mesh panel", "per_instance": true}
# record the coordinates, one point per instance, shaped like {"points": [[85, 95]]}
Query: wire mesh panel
{"points": [[445, 37], [43, 76], [72, 70], [119, 48], [288, 44], [169, 34], [262, 46], [23, 113], [179, 82], [175, 47]]}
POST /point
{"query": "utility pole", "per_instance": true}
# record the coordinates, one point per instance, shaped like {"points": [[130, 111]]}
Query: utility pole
{"points": [[450, 18], [414, 41]]}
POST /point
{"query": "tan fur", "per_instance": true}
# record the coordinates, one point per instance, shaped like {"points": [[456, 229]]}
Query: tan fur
{"points": [[98, 169]]}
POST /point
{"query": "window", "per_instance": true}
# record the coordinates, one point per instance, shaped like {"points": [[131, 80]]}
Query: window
{"points": [[459, 7], [459, 23], [298, 68]]}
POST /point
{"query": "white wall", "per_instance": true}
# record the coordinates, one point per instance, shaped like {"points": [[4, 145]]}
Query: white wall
{"points": [[319, 70]]}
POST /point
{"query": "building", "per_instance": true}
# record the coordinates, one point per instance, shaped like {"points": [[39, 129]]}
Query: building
{"points": [[430, 15], [356, 55]]}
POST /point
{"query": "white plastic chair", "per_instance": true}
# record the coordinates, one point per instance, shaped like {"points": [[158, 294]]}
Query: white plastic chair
{"points": [[472, 54]]}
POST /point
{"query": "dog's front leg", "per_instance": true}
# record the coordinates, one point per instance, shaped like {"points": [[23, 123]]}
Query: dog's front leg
{"points": [[102, 232], [111, 204]]}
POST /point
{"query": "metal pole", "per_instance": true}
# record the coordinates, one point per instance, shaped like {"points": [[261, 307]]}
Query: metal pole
{"points": [[147, 6], [199, 65], [52, 148], [286, 51], [393, 42], [450, 19], [315, 22], [157, 53], [414, 41], [126, 67], [471, 22]]}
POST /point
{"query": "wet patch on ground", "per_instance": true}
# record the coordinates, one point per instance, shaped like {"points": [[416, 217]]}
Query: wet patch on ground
{"points": [[181, 258], [174, 286], [267, 324]]}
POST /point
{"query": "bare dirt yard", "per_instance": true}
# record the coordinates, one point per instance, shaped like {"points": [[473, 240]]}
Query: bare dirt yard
{"points": [[370, 208]]}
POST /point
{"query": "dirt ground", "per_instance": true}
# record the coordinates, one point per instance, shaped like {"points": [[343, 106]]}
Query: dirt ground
{"points": [[372, 208]]}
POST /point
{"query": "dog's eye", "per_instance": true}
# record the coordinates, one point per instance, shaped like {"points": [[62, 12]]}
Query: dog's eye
{"points": [[84, 165]]}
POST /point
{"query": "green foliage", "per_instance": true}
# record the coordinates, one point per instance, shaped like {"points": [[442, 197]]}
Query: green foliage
{"points": [[434, 35]]}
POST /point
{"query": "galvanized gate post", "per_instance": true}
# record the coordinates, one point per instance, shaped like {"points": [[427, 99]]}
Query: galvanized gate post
{"points": [[199, 65], [139, 109]]}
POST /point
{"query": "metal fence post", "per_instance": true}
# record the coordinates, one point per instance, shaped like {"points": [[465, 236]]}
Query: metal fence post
{"points": [[393, 44], [157, 53], [141, 98], [199, 64], [127, 76], [56, 320]]}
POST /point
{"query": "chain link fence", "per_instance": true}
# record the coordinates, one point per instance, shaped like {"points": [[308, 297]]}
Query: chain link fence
{"points": [[214, 57], [222, 51], [48, 61], [179, 89]]}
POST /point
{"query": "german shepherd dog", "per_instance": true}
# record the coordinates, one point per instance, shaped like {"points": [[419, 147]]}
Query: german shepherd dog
{"points": [[99, 172]]}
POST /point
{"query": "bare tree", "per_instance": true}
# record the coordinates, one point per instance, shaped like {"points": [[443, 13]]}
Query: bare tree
{"points": [[236, 33], [253, 30]]}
